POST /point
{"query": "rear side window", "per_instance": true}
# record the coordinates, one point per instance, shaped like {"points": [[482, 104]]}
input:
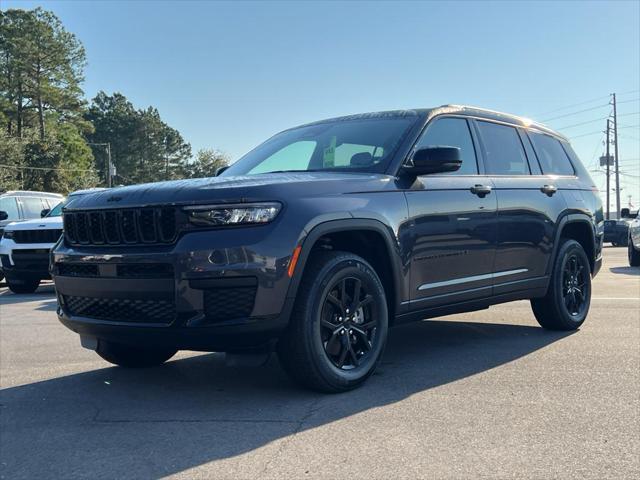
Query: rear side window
{"points": [[452, 132], [8, 204], [503, 148], [32, 207], [552, 157]]}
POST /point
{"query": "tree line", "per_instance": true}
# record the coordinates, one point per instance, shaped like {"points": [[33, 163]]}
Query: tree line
{"points": [[53, 139]]}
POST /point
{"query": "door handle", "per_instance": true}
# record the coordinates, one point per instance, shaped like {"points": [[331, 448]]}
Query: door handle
{"points": [[549, 190], [481, 190]]}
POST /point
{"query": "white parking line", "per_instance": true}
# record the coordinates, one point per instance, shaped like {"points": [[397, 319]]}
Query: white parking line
{"points": [[616, 298]]}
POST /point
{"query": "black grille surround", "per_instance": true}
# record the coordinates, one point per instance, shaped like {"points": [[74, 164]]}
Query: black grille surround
{"points": [[127, 226], [37, 236], [120, 309]]}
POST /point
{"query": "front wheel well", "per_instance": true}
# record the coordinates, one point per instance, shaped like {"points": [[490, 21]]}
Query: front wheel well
{"points": [[581, 232], [371, 246]]}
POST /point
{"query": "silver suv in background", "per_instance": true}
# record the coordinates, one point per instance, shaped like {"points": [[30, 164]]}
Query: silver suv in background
{"points": [[19, 205]]}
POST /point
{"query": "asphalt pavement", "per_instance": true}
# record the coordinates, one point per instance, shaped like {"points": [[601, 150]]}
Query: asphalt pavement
{"points": [[486, 394]]}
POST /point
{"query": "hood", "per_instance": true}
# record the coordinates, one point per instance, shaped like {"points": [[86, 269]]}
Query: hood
{"points": [[239, 189], [47, 223]]}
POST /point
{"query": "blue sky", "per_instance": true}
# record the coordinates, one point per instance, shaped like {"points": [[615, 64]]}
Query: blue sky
{"points": [[228, 75]]}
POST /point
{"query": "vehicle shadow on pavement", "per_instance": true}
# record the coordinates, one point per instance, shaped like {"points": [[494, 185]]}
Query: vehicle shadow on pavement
{"points": [[44, 293], [635, 271], [154, 422]]}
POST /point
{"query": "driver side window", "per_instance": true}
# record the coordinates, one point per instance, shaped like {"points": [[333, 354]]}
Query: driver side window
{"points": [[452, 132]]}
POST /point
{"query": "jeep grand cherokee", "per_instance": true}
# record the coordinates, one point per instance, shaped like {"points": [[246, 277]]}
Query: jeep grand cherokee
{"points": [[323, 237]]}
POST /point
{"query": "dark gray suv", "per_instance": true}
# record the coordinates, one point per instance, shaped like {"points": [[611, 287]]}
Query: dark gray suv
{"points": [[323, 237]]}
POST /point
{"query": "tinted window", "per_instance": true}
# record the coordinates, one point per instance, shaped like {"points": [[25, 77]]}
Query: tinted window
{"points": [[365, 144], [9, 205], [452, 132], [552, 157], [504, 151], [32, 207], [295, 156], [349, 154]]}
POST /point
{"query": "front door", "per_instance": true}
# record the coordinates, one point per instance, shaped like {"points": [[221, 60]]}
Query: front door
{"points": [[453, 224]]}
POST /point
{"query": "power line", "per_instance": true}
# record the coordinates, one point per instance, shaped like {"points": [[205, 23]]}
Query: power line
{"points": [[586, 134], [575, 113], [47, 168], [632, 100], [582, 123], [572, 105]]}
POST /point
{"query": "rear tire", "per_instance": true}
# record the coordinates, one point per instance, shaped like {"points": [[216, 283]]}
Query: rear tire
{"points": [[338, 327], [566, 303], [634, 255], [26, 286], [133, 357]]}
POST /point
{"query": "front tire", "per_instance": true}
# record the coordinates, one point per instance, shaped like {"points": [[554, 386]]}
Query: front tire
{"points": [[566, 303], [25, 286], [634, 255], [338, 327], [133, 357]]}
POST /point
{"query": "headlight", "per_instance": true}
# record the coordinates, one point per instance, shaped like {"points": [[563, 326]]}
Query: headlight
{"points": [[238, 214], [7, 234]]}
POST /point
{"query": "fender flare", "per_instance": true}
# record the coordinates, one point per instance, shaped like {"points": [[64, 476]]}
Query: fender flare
{"points": [[566, 219], [343, 225]]}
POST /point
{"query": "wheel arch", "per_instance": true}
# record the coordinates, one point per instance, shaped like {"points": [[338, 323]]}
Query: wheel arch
{"points": [[381, 250], [578, 227]]}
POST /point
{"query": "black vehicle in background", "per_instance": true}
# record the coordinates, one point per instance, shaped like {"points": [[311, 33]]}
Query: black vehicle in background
{"points": [[323, 237], [617, 231]]}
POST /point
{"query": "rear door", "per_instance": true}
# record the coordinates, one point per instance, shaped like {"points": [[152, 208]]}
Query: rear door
{"points": [[528, 207], [452, 223]]}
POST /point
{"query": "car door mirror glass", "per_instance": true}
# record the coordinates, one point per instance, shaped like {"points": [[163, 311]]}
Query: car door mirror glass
{"points": [[435, 159], [3, 215]]}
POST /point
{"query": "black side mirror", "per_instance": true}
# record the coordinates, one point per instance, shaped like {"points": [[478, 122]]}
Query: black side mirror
{"points": [[625, 213], [3, 215], [436, 159], [221, 169], [45, 212]]}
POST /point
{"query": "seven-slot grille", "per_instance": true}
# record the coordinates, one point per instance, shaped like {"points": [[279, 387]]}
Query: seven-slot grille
{"points": [[36, 236], [156, 225]]}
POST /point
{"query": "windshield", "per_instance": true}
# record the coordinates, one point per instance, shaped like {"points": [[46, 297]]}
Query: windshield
{"points": [[363, 145], [57, 210]]}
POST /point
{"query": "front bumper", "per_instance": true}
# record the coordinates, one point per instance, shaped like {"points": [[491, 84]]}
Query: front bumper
{"points": [[203, 293], [21, 262]]}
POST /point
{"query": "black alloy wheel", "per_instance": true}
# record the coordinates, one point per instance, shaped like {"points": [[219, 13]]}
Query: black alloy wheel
{"points": [[575, 285], [348, 323]]}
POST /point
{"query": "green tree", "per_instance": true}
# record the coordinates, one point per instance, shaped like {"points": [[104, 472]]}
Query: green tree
{"points": [[206, 163], [143, 147], [41, 65]]}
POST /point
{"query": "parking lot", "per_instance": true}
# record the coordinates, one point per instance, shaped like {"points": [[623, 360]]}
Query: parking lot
{"points": [[482, 395]]}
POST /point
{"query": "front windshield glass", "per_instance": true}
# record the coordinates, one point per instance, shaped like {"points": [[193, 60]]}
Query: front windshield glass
{"points": [[57, 210], [363, 145]]}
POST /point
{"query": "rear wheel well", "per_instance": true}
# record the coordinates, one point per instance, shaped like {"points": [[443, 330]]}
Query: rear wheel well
{"points": [[582, 233], [371, 246]]}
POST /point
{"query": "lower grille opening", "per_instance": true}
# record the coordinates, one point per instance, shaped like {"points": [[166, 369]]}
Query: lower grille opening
{"points": [[120, 309], [228, 303], [77, 270]]}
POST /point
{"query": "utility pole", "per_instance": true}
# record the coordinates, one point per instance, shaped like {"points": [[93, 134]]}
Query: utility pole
{"points": [[109, 176], [615, 146], [109, 169], [608, 173]]}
